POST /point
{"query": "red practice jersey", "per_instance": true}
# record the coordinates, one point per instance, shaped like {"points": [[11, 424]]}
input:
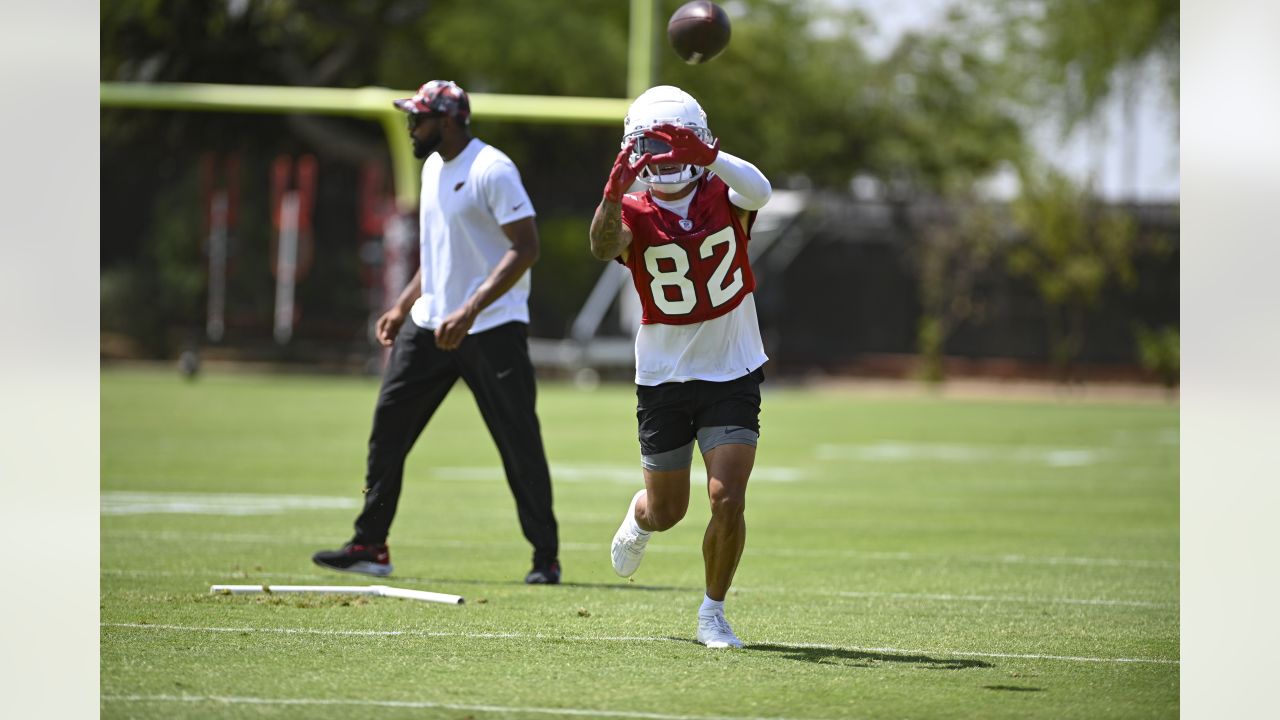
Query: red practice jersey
{"points": [[688, 271]]}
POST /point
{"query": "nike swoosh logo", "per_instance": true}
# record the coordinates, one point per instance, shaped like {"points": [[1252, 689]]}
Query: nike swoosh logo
{"points": [[458, 187], [517, 207], [504, 373]]}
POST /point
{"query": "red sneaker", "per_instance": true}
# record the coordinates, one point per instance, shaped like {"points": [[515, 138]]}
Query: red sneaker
{"points": [[364, 559]]}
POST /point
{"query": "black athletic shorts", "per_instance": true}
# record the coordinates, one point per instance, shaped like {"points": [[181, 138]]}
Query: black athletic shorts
{"points": [[671, 413]]}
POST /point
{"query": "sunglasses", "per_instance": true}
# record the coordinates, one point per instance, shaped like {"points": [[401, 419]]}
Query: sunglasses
{"points": [[416, 119]]}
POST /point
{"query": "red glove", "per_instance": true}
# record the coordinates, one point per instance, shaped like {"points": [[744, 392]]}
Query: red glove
{"points": [[624, 173], [686, 147]]}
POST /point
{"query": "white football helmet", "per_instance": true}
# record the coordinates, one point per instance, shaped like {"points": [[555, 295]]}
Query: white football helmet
{"points": [[664, 105]]}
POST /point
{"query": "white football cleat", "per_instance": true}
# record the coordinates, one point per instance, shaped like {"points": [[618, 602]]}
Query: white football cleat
{"points": [[714, 631], [629, 542]]}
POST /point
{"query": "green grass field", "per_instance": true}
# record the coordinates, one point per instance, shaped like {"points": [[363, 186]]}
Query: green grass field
{"points": [[907, 557]]}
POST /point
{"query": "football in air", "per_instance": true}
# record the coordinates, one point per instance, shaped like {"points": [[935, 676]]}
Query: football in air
{"points": [[698, 31]]}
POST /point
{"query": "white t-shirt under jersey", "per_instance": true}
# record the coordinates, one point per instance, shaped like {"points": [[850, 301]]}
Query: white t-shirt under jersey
{"points": [[465, 202], [720, 349]]}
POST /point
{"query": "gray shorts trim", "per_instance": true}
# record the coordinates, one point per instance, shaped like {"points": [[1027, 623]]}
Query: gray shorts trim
{"points": [[679, 459], [709, 438], [714, 437]]}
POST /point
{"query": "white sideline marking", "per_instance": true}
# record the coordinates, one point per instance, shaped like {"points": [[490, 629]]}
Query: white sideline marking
{"points": [[170, 536], [999, 598], [910, 452], [1009, 559], [424, 704], [942, 597], [620, 638], [142, 503]]}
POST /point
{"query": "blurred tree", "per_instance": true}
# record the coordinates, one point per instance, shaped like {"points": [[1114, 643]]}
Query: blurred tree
{"points": [[794, 71], [795, 93], [1059, 61], [1073, 248], [945, 126], [790, 98], [943, 118], [161, 290], [955, 244], [1073, 54], [1158, 349]]}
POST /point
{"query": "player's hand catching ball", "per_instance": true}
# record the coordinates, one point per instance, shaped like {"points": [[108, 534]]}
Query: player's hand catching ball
{"points": [[624, 173], [686, 147]]}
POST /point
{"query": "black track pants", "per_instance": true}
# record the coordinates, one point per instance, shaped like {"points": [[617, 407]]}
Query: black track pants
{"points": [[495, 365]]}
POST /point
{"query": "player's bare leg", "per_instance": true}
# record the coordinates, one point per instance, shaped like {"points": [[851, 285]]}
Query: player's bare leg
{"points": [[658, 507], [665, 501], [728, 469]]}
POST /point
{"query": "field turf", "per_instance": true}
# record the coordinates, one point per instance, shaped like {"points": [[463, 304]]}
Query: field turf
{"points": [[907, 557]]}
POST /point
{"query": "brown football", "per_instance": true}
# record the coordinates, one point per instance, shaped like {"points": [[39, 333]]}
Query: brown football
{"points": [[698, 31]]}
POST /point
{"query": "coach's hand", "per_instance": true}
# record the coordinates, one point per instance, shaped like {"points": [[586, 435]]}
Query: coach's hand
{"points": [[686, 147], [389, 326], [624, 173], [453, 329]]}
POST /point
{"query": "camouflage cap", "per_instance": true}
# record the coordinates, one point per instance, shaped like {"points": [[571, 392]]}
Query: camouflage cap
{"points": [[438, 97]]}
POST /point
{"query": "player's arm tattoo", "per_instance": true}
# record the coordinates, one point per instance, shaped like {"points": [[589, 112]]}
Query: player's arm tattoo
{"points": [[609, 237]]}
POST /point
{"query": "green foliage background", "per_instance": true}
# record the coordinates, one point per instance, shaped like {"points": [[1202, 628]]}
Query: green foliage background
{"points": [[796, 92]]}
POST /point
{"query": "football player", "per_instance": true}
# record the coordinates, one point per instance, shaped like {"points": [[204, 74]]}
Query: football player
{"points": [[683, 235]]}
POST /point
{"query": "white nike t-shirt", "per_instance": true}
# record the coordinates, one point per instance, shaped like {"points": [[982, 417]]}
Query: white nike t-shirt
{"points": [[465, 202]]}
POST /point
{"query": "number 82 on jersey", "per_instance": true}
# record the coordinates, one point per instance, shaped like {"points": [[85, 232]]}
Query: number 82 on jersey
{"points": [[686, 289]]}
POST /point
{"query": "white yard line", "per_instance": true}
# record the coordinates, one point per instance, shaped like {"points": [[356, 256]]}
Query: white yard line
{"points": [[998, 598], [423, 704], [624, 638], [894, 451], [168, 536], [115, 502], [616, 473], [258, 576]]}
